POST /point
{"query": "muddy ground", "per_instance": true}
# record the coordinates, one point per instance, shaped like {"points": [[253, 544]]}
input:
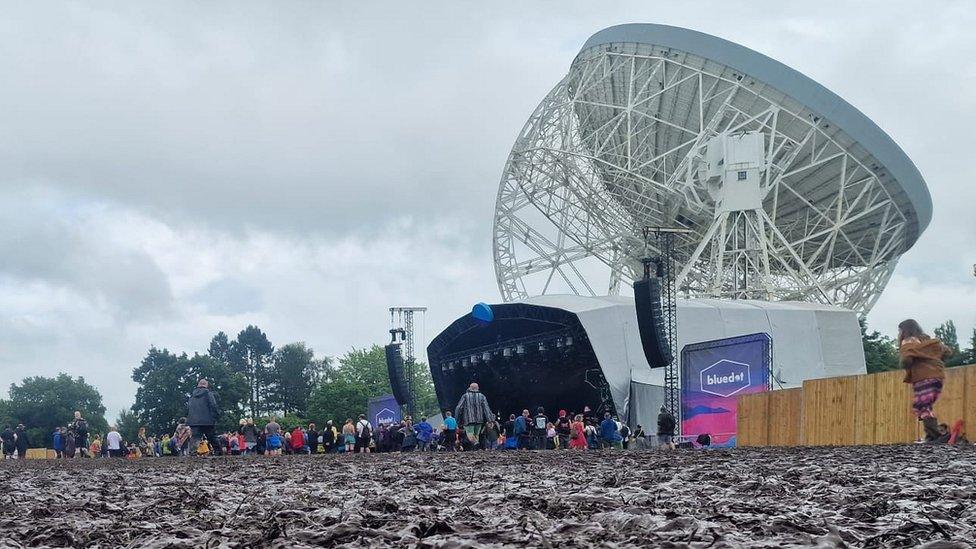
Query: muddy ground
{"points": [[857, 497]]}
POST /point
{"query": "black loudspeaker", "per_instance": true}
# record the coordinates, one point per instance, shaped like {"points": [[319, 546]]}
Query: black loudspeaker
{"points": [[398, 374], [650, 322]]}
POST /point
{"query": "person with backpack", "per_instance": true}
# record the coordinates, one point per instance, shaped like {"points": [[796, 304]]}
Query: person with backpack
{"points": [[364, 433], [202, 412], [577, 434], [80, 429], [473, 413], [540, 424], [665, 427], [297, 440], [625, 435]]}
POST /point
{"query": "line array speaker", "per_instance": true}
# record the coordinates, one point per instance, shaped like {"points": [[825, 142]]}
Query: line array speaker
{"points": [[650, 322], [398, 374]]}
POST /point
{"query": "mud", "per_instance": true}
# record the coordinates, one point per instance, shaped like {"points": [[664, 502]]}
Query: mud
{"points": [[840, 497]]}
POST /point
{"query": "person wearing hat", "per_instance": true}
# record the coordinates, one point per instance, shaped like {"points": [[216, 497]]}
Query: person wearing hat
{"points": [[202, 413]]}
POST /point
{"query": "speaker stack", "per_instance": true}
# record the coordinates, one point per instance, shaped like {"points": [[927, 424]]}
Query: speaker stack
{"points": [[651, 323], [398, 373]]}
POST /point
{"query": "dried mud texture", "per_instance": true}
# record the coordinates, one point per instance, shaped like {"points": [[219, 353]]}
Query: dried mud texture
{"points": [[824, 497]]}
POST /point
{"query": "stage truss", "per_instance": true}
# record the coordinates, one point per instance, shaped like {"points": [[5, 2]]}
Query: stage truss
{"points": [[620, 143]]}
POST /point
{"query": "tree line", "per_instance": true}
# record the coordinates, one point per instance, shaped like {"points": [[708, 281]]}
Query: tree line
{"points": [[250, 377]]}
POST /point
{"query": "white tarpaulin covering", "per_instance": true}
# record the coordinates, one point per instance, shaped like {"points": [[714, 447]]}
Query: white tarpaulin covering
{"points": [[809, 341]]}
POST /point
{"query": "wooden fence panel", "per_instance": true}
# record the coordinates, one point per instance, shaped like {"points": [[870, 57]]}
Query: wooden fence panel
{"points": [[867, 409], [785, 413], [752, 416], [828, 411]]}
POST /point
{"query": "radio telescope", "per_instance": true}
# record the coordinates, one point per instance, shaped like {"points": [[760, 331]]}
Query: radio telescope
{"points": [[789, 192]]}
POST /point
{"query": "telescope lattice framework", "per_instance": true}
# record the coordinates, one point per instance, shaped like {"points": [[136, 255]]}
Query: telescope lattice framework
{"points": [[789, 192]]}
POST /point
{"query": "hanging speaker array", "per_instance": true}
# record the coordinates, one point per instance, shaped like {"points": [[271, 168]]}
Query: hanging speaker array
{"points": [[650, 322]]}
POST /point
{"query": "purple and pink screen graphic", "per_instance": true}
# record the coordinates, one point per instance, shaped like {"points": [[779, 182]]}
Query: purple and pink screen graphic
{"points": [[713, 375]]}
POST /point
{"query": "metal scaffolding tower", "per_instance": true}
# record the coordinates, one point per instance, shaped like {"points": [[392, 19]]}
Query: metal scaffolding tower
{"points": [[402, 323]]}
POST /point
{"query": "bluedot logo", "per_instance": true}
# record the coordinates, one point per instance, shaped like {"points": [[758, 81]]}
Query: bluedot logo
{"points": [[385, 415], [725, 378]]}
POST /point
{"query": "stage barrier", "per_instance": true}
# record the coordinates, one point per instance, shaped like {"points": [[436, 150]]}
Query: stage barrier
{"points": [[851, 410]]}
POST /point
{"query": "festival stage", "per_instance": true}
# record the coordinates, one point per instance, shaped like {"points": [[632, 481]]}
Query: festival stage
{"points": [[872, 496]]}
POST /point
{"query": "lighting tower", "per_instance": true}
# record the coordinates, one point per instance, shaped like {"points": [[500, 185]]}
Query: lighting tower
{"points": [[401, 322]]}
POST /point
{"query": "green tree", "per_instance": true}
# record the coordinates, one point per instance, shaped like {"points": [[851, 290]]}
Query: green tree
{"points": [[161, 397], [166, 381], [251, 356], [346, 386], [294, 373], [950, 338], [971, 352], [128, 424], [44, 403], [880, 352]]}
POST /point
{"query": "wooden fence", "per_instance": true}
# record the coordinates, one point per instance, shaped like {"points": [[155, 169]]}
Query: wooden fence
{"points": [[865, 409]]}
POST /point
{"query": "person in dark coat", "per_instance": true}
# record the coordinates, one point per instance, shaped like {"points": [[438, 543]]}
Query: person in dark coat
{"points": [[665, 427], [9, 442], [472, 412], [202, 413], [22, 442], [79, 427]]}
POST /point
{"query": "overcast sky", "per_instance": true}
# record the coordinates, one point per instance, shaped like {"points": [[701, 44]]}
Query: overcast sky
{"points": [[169, 173]]}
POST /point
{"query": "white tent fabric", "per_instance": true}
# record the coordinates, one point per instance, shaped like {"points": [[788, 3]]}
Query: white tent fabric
{"points": [[810, 341]]}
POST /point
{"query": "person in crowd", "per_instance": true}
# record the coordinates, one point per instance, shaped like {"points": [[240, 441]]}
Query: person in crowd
{"points": [[273, 440], [364, 434], [69, 442], [261, 448], [396, 436], [563, 428], [491, 435], [329, 437], [624, 435], [272, 426], [286, 442], [408, 436], [95, 449], [298, 445], [79, 426], [592, 435], [164, 447], [22, 443], [311, 439], [552, 438], [202, 413], [449, 434], [577, 434], [383, 438], [639, 432], [539, 423], [425, 433], [113, 442], [249, 431], [143, 442], [472, 412], [665, 427], [58, 443], [181, 438], [349, 435], [921, 357], [9, 440], [522, 434], [203, 447], [609, 432]]}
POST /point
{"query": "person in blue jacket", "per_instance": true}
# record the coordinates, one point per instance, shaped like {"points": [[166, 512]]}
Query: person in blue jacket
{"points": [[425, 432], [522, 430], [58, 443], [609, 433]]}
